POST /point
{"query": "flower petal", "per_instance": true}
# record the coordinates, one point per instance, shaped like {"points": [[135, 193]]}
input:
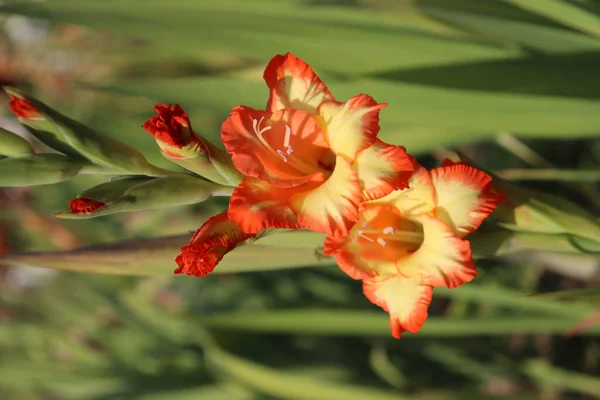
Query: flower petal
{"points": [[347, 256], [256, 205], [464, 196], [404, 299], [351, 126], [293, 84], [257, 142], [383, 168], [443, 259], [418, 199], [215, 238], [331, 208]]}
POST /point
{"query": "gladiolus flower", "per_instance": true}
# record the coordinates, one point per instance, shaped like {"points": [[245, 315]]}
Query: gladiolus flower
{"points": [[179, 143], [308, 160], [410, 241], [217, 237], [23, 108], [84, 205]]}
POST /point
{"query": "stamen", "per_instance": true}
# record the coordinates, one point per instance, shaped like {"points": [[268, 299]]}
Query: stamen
{"points": [[290, 150], [389, 229], [286, 139], [361, 234], [283, 155], [256, 126], [363, 224], [382, 242]]}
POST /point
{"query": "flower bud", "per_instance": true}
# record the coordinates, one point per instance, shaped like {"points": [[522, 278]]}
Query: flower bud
{"points": [[37, 169], [141, 193], [531, 211], [215, 238], [178, 143], [77, 140], [22, 108]]}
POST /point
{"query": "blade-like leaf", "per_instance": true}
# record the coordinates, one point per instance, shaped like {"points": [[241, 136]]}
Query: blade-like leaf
{"points": [[544, 373], [271, 27], [376, 324], [273, 382], [157, 256], [546, 39], [562, 11], [419, 117]]}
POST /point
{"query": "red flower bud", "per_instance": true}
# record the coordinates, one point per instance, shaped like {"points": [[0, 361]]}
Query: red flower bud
{"points": [[171, 126], [23, 108], [84, 205], [217, 237]]}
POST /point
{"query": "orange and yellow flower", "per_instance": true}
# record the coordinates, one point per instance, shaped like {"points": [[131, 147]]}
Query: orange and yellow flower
{"points": [[215, 238], [412, 240], [308, 160]]}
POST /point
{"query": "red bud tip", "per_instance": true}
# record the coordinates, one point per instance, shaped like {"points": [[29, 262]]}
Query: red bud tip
{"points": [[23, 108], [171, 125], [199, 262], [84, 205]]}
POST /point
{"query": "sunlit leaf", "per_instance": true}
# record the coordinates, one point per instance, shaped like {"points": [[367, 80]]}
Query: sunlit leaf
{"points": [[564, 12]]}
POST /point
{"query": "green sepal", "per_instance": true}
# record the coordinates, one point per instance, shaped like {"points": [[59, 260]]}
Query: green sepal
{"points": [[12, 144], [212, 163], [37, 169]]}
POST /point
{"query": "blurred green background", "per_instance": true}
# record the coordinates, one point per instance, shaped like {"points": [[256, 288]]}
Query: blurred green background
{"points": [[511, 83]]}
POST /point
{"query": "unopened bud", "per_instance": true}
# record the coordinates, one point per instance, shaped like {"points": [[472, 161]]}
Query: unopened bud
{"points": [[179, 143]]}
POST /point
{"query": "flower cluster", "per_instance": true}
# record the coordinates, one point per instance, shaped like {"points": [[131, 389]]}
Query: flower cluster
{"points": [[310, 161]]}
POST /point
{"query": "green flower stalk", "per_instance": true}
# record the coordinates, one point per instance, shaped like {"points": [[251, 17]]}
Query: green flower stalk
{"points": [[179, 143]]}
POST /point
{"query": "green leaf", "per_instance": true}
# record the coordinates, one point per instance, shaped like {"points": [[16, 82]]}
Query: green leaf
{"points": [[270, 27], [546, 39], [549, 375], [561, 11], [157, 256], [12, 144], [274, 382], [37, 169], [419, 117], [77, 140], [551, 174], [376, 324], [590, 295], [135, 194]]}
